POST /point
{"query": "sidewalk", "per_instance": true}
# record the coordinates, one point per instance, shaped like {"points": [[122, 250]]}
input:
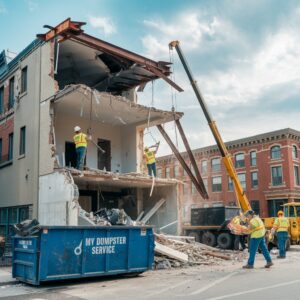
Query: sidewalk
{"points": [[5, 276]]}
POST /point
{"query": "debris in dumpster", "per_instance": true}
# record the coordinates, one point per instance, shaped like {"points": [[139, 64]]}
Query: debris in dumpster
{"points": [[27, 227], [114, 216]]}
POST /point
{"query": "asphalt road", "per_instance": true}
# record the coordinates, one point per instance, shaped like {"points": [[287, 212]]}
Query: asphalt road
{"points": [[225, 281]]}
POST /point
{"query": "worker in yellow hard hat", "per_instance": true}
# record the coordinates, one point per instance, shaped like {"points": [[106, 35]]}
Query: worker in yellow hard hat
{"points": [[281, 226], [257, 240], [80, 140], [149, 155]]}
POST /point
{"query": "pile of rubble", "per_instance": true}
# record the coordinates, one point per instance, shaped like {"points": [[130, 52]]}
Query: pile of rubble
{"points": [[183, 251]]}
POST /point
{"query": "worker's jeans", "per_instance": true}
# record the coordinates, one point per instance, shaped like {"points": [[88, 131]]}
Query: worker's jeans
{"points": [[80, 156], [152, 168], [282, 237], [256, 243]]}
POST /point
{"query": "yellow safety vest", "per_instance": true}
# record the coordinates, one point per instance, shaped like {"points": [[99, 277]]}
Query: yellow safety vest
{"points": [[281, 224], [257, 228], [80, 140], [150, 157]]}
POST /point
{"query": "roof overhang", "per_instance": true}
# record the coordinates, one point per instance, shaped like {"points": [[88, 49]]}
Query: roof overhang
{"points": [[81, 101]]}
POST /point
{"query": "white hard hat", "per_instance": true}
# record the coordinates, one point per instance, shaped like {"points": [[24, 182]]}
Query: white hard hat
{"points": [[77, 128]]}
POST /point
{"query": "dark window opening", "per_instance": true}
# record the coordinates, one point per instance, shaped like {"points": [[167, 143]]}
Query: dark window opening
{"points": [[1, 100], [24, 80], [254, 180], [253, 158], [255, 206], [240, 160], [217, 184], [277, 175], [10, 146], [275, 152], [11, 99], [22, 140], [104, 159], [70, 154], [275, 205]]}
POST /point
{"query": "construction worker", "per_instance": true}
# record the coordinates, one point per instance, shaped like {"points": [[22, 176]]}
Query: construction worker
{"points": [[281, 226], [150, 158], [257, 240], [80, 140], [239, 237]]}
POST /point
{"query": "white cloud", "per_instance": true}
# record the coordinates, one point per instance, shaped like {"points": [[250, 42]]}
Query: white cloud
{"points": [[32, 5], [192, 29], [103, 24], [3, 9]]}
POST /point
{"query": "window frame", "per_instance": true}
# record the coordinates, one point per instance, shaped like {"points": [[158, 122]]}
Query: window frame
{"points": [[274, 156], [294, 152], [218, 185], [213, 166], [296, 178], [24, 80], [237, 162], [241, 182], [2, 110], [22, 145], [272, 179], [203, 169], [10, 146], [252, 180], [11, 94], [251, 158]]}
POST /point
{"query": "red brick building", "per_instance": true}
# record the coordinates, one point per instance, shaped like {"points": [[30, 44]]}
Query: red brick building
{"points": [[267, 166]]}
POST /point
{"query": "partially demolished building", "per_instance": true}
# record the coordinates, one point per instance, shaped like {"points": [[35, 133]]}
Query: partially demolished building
{"points": [[66, 78]]}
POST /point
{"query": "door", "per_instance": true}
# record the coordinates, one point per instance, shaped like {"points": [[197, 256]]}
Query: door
{"points": [[70, 154], [104, 159], [88, 200]]}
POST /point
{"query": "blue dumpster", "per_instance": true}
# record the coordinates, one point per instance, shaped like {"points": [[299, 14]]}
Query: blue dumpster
{"points": [[66, 252]]}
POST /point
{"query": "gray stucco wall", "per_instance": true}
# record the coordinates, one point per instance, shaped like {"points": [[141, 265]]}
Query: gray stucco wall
{"points": [[19, 181]]}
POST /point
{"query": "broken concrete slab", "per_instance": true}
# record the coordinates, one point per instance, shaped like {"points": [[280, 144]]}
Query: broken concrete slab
{"points": [[164, 250]]}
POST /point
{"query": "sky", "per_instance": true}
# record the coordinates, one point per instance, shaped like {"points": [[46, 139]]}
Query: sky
{"points": [[245, 56]]}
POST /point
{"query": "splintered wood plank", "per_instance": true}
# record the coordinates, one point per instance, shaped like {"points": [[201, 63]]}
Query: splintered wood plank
{"points": [[164, 250]]}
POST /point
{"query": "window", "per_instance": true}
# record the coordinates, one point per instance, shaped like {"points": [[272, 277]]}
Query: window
{"points": [[294, 151], [276, 175], [186, 188], [215, 164], [0, 150], [11, 99], [217, 184], [13, 215], [176, 171], [275, 152], [24, 80], [205, 183], [1, 100], [255, 206], [168, 173], [10, 146], [242, 179], [159, 173], [194, 190], [254, 180], [22, 140], [230, 184], [240, 160], [275, 205], [203, 167], [296, 175], [253, 158]]}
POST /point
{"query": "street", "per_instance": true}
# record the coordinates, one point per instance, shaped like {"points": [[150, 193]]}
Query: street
{"points": [[225, 281]]}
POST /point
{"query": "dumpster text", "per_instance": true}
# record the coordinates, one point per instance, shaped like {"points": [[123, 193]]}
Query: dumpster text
{"points": [[104, 245]]}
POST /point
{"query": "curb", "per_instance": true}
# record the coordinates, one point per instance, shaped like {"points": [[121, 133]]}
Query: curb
{"points": [[12, 282]]}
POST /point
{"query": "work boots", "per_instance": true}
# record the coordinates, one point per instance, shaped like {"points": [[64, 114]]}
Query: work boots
{"points": [[247, 267], [269, 264]]}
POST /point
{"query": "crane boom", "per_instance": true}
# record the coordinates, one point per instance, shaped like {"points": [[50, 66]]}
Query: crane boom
{"points": [[241, 196]]}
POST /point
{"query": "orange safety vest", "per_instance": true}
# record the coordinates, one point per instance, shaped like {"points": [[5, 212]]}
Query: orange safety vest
{"points": [[281, 224], [150, 157], [80, 140]]}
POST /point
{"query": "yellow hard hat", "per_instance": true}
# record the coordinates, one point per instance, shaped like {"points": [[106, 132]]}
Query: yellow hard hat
{"points": [[280, 213]]}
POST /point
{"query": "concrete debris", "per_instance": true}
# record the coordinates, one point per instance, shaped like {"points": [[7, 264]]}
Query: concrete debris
{"points": [[196, 253]]}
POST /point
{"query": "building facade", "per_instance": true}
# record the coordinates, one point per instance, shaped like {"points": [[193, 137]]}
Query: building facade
{"points": [[74, 79], [267, 166]]}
